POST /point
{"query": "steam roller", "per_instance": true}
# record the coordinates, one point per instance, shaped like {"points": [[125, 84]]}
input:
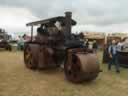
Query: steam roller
{"points": [[55, 45]]}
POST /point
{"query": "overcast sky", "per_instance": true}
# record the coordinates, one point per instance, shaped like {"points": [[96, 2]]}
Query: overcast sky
{"points": [[91, 15]]}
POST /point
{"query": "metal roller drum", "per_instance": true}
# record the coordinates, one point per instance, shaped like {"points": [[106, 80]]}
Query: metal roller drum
{"points": [[80, 67]]}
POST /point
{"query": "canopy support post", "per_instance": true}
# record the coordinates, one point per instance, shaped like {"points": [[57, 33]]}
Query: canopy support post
{"points": [[31, 33]]}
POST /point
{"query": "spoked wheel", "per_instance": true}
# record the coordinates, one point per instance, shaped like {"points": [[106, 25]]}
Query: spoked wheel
{"points": [[28, 58], [72, 69]]}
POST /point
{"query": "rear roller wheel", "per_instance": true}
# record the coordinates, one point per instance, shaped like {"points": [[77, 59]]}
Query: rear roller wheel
{"points": [[28, 58]]}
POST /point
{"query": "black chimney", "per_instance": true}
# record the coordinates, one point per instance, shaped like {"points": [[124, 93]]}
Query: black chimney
{"points": [[68, 24]]}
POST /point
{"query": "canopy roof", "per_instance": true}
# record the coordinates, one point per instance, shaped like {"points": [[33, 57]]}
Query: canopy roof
{"points": [[50, 22]]}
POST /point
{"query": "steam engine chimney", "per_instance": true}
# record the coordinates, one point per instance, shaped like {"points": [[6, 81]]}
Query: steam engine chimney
{"points": [[68, 24]]}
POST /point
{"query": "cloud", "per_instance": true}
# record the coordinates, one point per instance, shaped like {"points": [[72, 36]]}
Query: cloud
{"points": [[100, 14], [15, 19], [98, 28], [94, 11]]}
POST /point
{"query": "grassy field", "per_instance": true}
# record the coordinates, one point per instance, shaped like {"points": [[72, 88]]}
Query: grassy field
{"points": [[17, 80]]}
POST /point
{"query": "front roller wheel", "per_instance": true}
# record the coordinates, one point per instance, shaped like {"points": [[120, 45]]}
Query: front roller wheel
{"points": [[72, 69], [28, 58], [80, 67]]}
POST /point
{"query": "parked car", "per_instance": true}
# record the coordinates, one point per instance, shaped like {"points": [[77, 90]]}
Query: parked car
{"points": [[5, 44]]}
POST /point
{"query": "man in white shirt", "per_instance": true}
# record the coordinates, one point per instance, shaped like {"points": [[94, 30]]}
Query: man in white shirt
{"points": [[120, 45]]}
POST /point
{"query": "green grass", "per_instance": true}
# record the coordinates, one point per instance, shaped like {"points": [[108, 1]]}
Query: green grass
{"points": [[17, 80]]}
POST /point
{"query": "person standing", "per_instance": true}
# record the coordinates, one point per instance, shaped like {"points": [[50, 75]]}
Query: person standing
{"points": [[86, 43], [95, 46], [113, 56], [20, 43], [42, 29], [120, 45], [42, 34]]}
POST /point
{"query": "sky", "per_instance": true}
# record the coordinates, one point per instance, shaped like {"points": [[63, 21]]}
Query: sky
{"points": [[91, 15]]}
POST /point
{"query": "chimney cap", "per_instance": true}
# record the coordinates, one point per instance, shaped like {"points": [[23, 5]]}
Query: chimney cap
{"points": [[68, 13]]}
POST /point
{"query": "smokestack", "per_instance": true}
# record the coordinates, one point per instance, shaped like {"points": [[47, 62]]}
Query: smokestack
{"points": [[68, 24]]}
